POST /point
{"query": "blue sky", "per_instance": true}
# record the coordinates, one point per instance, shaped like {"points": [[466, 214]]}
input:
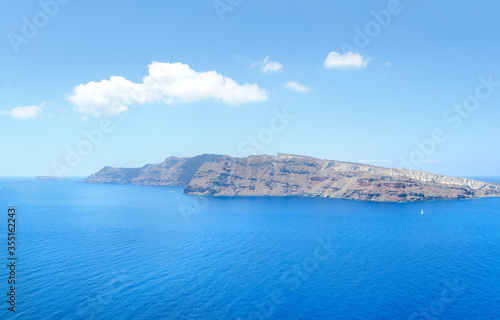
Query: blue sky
{"points": [[190, 77]]}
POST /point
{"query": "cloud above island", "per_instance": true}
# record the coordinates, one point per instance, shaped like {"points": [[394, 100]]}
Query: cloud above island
{"points": [[353, 60], [166, 82], [27, 112], [294, 85], [268, 66]]}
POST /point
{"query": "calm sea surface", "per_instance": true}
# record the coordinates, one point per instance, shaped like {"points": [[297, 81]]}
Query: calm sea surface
{"points": [[89, 251]]}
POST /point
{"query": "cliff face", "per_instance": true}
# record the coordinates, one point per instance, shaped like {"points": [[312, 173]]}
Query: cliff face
{"points": [[171, 172], [290, 175]]}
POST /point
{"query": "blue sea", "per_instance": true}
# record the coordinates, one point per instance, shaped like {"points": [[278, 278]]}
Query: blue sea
{"points": [[88, 251]]}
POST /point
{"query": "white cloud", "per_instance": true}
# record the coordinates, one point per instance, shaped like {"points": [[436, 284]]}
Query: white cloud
{"points": [[294, 85], [268, 66], [166, 82], [335, 60], [23, 112], [107, 97], [387, 64]]}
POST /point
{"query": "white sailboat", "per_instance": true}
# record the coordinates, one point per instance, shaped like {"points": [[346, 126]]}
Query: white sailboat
{"points": [[422, 212]]}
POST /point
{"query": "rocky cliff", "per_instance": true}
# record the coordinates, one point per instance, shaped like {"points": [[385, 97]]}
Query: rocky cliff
{"points": [[173, 171], [291, 175]]}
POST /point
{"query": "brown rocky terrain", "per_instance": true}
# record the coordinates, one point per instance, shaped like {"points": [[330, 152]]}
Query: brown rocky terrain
{"points": [[173, 171], [292, 175]]}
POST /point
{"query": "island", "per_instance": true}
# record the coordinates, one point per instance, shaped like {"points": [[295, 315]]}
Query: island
{"points": [[48, 178], [295, 175]]}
